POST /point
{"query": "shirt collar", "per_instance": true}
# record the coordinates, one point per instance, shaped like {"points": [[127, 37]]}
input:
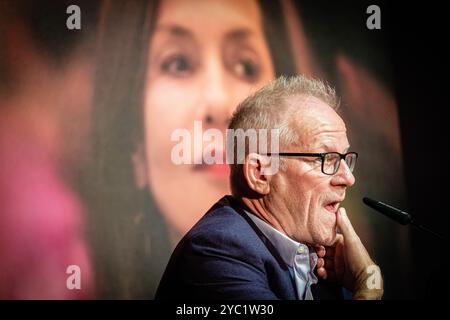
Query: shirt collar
{"points": [[286, 247]]}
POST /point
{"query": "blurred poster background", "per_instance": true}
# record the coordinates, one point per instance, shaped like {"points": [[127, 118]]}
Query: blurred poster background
{"points": [[87, 116]]}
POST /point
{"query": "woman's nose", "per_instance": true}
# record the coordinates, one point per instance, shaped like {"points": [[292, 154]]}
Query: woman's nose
{"points": [[217, 96]]}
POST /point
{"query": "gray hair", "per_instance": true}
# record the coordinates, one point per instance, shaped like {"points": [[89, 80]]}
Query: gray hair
{"points": [[269, 108]]}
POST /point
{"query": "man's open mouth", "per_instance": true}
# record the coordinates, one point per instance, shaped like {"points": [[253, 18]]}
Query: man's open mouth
{"points": [[332, 206]]}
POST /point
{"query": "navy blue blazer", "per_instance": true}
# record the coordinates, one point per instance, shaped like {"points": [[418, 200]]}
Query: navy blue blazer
{"points": [[225, 256]]}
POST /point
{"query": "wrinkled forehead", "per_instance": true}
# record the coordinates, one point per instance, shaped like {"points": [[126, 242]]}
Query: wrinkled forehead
{"points": [[318, 125]]}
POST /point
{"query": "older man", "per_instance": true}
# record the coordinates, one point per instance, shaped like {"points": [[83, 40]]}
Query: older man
{"points": [[276, 236]]}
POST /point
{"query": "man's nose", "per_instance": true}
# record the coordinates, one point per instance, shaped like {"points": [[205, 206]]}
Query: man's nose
{"points": [[343, 177]]}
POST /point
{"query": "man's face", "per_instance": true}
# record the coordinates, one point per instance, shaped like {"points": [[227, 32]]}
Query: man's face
{"points": [[306, 200]]}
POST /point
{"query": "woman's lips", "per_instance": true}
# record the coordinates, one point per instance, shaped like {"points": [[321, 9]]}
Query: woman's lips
{"points": [[217, 169], [221, 170]]}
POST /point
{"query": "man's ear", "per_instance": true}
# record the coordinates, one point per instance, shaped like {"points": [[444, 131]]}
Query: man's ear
{"points": [[254, 173], [139, 161]]}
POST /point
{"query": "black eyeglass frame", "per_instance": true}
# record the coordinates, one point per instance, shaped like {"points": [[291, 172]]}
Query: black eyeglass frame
{"points": [[321, 156]]}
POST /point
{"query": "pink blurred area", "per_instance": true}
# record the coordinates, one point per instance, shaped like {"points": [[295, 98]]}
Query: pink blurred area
{"points": [[42, 219], [41, 223]]}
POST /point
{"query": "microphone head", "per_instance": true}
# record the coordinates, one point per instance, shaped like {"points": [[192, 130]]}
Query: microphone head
{"points": [[398, 215]]}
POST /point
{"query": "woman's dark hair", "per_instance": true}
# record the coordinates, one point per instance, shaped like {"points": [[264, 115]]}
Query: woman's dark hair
{"points": [[128, 234], [277, 37], [119, 228]]}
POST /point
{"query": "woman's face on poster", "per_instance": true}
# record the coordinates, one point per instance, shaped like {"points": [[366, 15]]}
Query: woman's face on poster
{"points": [[205, 57]]}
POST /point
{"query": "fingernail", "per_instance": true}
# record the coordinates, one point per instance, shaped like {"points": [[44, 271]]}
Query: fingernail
{"points": [[342, 211]]}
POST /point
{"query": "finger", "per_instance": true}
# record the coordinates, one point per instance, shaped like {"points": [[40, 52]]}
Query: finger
{"points": [[320, 263], [345, 225], [320, 251], [322, 273], [339, 239]]}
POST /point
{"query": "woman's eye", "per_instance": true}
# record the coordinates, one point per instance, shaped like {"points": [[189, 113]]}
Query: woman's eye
{"points": [[247, 70], [177, 65]]}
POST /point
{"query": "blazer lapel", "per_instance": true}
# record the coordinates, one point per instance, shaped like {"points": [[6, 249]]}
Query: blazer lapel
{"points": [[285, 282]]}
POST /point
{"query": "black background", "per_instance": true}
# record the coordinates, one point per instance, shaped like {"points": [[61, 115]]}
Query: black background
{"points": [[409, 55], [420, 56]]}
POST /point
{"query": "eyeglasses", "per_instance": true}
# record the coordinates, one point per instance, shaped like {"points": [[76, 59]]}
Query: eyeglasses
{"points": [[330, 160]]}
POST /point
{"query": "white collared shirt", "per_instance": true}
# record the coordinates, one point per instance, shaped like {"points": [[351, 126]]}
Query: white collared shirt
{"points": [[296, 255]]}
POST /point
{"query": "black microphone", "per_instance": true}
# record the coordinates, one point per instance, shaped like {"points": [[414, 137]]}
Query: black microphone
{"points": [[398, 215]]}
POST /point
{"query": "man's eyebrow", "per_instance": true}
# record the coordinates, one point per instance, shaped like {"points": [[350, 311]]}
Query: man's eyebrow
{"points": [[328, 148]]}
